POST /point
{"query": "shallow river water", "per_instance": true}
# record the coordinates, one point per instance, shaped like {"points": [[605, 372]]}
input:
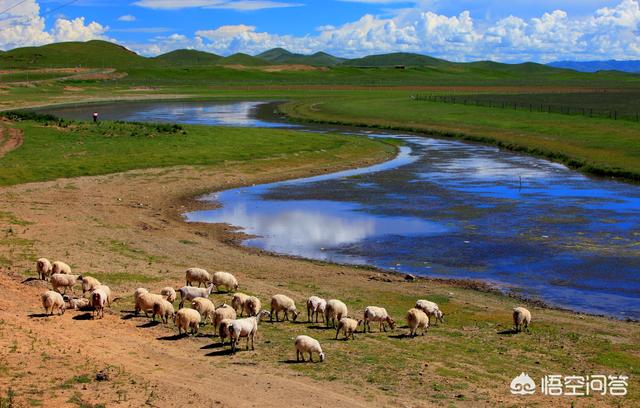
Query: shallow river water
{"points": [[442, 208]]}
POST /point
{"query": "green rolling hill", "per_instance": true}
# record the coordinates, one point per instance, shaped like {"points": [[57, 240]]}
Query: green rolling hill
{"points": [[242, 59], [188, 58], [282, 56], [397, 59]]}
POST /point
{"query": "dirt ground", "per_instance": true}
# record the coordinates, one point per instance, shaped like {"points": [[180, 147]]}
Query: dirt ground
{"points": [[130, 225]]}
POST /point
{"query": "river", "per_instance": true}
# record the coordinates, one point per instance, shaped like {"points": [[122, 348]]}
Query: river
{"points": [[442, 208]]}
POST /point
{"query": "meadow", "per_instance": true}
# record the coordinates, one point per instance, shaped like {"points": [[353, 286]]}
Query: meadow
{"points": [[111, 197]]}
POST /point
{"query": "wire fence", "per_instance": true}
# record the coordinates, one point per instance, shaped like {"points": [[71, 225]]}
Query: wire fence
{"points": [[511, 102]]}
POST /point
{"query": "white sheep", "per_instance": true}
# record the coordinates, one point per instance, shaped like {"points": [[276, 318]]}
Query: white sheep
{"points": [[205, 307], [52, 300], [247, 327], [238, 302], [139, 292], [107, 291], [285, 304], [417, 319], [224, 279], [44, 268], [77, 303], [164, 309], [187, 318], [334, 310], [377, 314], [145, 301], [521, 319], [188, 293], [348, 326], [315, 306], [306, 344], [89, 284], [223, 330], [99, 298], [169, 293], [61, 280], [252, 306], [197, 275], [430, 309], [60, 267], [223, 312]]}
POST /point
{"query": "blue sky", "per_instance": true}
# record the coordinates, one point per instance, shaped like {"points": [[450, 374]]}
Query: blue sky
{"points": [[463, 30]]}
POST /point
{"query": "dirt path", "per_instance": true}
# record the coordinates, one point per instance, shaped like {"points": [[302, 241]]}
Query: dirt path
{"points": [[10, 142]]}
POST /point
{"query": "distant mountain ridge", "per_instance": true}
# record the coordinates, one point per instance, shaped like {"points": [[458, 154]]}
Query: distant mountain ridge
{"points": [[632, 66], [103, 54]]}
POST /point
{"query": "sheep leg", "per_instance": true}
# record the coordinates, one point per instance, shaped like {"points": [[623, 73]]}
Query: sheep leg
{"points": [[297, 355], [337, 331], [310, 357], [286, 315]]}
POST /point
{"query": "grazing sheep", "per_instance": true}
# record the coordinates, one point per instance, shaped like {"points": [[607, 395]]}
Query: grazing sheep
{"points": [[348, 326], [417, 319], [61, 280], [430, 309], [187, 318], [145, 301], [238, 302], [164, 309], [77, 303], [205, 307], [334, 310], [521, 319], [188, 293], [60, 267], [169, 293], [223, 330], [224, 312], [247, 327], [89, 284], [139, 292], [44, 268], [197, 275], [377, 314], [224, 279], [107, 291], [252, 306], [52, 300], [99, 299], [306, 344], [285, 304], [315, 306]]}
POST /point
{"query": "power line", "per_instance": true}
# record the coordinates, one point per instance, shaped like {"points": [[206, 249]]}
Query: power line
{"points": [[12, 7]]}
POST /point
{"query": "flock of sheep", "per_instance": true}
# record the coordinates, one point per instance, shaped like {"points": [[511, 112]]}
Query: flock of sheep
{"points": [[224, 318]]}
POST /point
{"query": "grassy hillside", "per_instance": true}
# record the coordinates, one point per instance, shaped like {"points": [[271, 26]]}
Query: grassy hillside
{"points": [[72, 54], [394, 59], [282, 56], [188, 58], [242, 59]]}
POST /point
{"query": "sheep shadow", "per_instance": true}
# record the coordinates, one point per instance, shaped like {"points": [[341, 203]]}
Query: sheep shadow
{"points": [[174, 337], [400, 336], [38, 315], [31, 279], [220, 352], [128, 314], [508, 332], [212, 346], [84, 316], [319, 327], [293, 361], [149, 324]]}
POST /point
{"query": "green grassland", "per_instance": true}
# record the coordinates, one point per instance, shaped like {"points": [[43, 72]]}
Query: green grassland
{"points": [[55, 149], [598, 146]]}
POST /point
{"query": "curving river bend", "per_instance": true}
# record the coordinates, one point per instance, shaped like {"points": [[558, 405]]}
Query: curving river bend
{"points": [[442, 208]]}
